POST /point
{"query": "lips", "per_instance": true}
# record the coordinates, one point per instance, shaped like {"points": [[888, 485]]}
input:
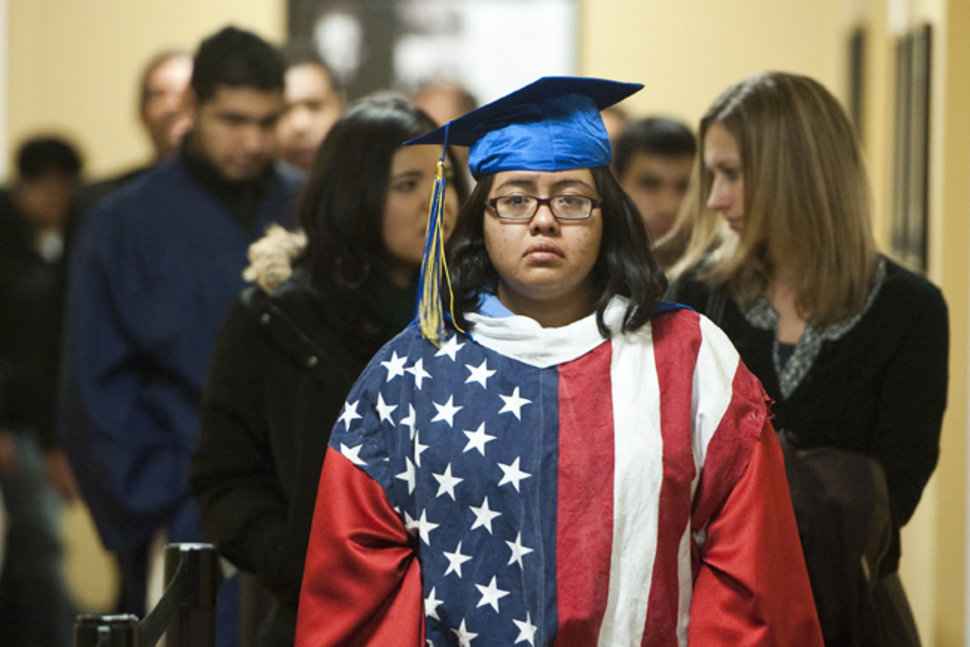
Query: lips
{"points": [[544, 250]]}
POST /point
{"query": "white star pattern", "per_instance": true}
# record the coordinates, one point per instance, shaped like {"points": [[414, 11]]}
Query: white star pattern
{"points": [[431, 604], [479, 374], [407, 475], [425, 527], [446, 411], [491, 594], [446, 482], [395, 366], [512, 474], [384, 410], [455, 560], [513, 403], [420, 375], [353, 454], [350, 414], [409, 420], [527, 630], [518, 550], [464, 636], [418, 449], [477, 439], [484, 516], [450, 349]]}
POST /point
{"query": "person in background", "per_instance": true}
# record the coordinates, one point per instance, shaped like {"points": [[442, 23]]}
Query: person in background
{"points": [[851, 347], [155, 271], [162, 113], [314, 101], [615, 119], [444, 100], [36, 216], [325, 300], [554, 456], [654, 157]]}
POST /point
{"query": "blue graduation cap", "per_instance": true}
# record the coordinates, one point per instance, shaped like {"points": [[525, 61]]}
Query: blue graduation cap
{"points": [[552, 124]]}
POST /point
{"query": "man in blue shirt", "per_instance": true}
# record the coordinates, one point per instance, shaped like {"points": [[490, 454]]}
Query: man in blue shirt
{"points": [[156, 267]]}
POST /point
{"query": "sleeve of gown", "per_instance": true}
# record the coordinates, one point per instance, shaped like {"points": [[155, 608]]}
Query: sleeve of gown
{"points": [[361, 582], [751, 587]]}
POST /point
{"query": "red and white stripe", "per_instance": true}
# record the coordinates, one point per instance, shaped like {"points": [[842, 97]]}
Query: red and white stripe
{"points": [[646, 430]]}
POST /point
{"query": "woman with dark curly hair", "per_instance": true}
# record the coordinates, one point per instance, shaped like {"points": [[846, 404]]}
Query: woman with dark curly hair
{"points": [[557, 457], [326, 299]]}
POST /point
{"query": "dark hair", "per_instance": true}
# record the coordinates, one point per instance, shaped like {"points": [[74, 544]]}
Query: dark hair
{"points": [[655, 136], [45, 154], [342, 206], [155, 62], [296, 54], [625, 265], [235, 58]]}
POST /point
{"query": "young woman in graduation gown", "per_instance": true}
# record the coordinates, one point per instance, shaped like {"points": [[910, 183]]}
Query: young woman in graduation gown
{"points": [[558, 457], [324, 302]]}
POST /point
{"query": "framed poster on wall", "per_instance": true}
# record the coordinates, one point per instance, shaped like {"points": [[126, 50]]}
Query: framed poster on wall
{"points": [[911, 168], [489, 46]]}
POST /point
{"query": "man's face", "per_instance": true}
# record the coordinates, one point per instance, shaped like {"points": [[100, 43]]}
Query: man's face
{"points": [[236, 130], [657, 185], [312, 107], [46, 200], [163, 110]]}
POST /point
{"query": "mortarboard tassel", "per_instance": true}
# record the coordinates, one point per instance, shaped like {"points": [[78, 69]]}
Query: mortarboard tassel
{"points": [[434, 265]]}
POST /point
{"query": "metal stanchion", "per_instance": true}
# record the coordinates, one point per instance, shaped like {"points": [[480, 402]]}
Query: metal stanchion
{"points": [[194, 625], [186, 614], [92, 630]]}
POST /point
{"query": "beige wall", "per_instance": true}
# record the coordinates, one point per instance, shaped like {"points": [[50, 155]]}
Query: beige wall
{"points": [[74, 64], [687, 52]]}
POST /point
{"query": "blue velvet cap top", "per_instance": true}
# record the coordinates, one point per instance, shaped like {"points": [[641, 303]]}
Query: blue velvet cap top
{"points": [[552, 124]]}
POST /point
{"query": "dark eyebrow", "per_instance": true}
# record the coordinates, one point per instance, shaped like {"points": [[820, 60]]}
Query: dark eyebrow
{"points": [[521, 183], [564, 184], [408, 174]]}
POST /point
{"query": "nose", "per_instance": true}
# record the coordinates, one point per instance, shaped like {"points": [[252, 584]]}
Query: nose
{"points": [[543, 222], [720, 197], [300, 120], [668, 203]]}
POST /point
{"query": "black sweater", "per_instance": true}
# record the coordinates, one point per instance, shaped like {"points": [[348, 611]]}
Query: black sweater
{"points": [[279, 375], [880, 389]]}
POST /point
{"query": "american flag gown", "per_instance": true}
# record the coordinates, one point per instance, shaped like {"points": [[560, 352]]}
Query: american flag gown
{"points": [[533, 486]]}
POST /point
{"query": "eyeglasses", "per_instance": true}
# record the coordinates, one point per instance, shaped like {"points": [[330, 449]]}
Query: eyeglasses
{"points": [[520, 207]]}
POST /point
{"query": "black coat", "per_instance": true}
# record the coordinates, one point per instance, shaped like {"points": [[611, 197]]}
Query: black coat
{"points": [[880, 389], [281, 370], [32, 291]]}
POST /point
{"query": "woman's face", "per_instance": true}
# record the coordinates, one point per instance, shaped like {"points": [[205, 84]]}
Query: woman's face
{"points": [[544, 259], [406, 205], [722, 159]]}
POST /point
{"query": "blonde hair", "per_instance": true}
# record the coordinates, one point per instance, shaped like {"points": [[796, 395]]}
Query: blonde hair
{"points": [[806, 199]]}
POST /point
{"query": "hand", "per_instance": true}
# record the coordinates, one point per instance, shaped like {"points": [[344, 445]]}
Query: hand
{"points": [[60, 475]]}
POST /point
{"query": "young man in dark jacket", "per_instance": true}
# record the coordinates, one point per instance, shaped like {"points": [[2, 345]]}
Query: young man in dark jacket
{"points": [[157, 266]]}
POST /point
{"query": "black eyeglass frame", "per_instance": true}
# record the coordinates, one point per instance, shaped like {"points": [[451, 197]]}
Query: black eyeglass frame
{"points": [[492, 205]]}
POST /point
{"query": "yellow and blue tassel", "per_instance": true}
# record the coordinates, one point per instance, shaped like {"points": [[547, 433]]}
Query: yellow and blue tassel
{"points": [[434, 265]]}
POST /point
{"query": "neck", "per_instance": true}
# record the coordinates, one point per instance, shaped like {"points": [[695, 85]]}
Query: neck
{"points": [[550, 313]]}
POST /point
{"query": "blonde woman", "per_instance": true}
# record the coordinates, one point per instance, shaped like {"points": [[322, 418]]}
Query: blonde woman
{"points": [[851, 346]]}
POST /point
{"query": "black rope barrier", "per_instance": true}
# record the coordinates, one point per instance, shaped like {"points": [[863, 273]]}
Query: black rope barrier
{"points": [[185, 615]]}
